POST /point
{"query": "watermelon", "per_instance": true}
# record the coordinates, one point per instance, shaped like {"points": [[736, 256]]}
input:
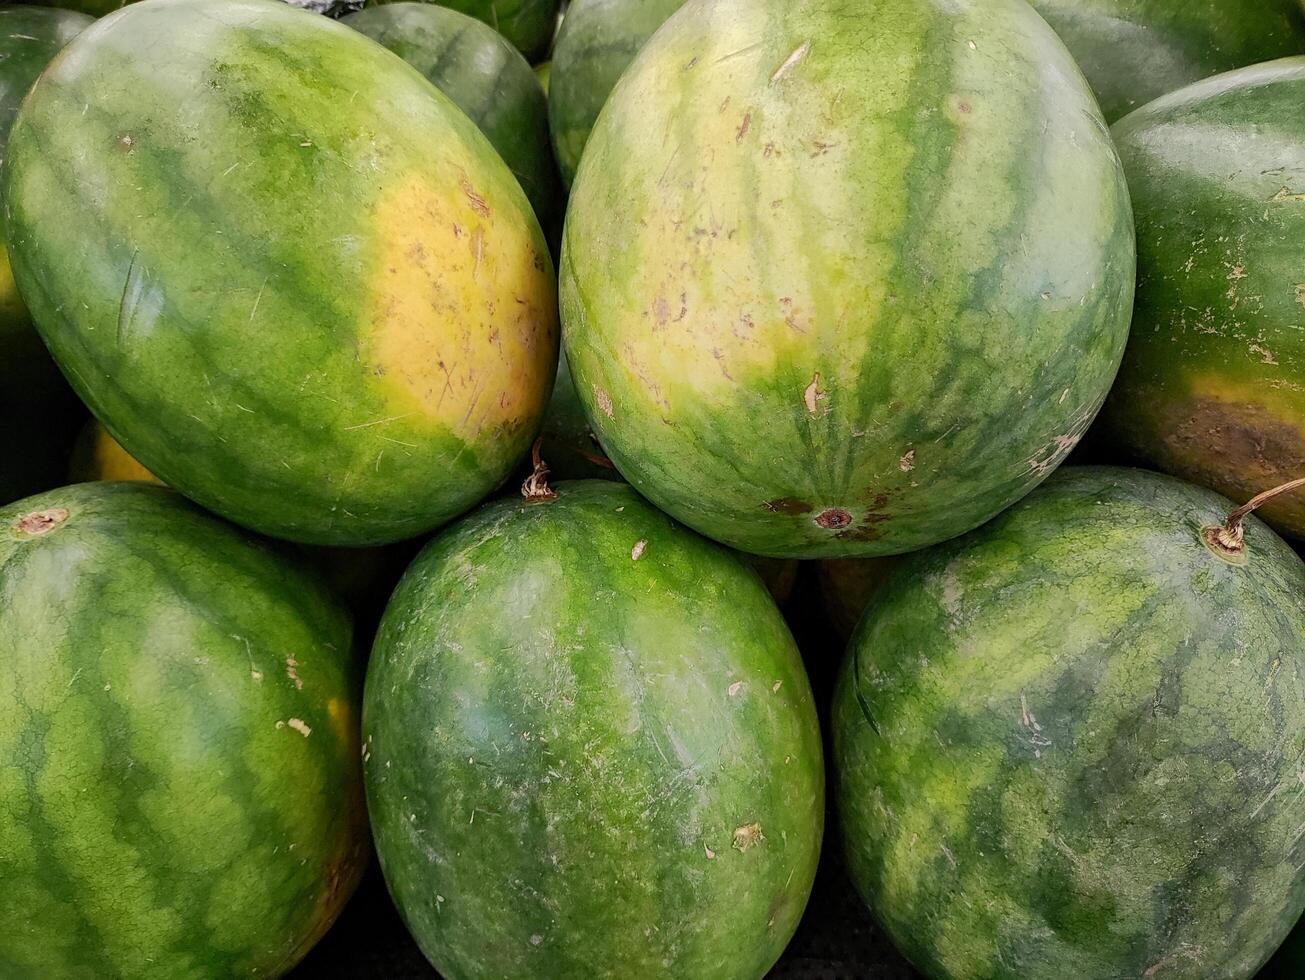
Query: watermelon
{"points": [[485, 77], [528, 24], [596, 43], [1133, 51], [181, 794], [315, 301], [854, 283], [543, 72], [1213, 384], [1070, 743], [590, 748], [38, 412]]}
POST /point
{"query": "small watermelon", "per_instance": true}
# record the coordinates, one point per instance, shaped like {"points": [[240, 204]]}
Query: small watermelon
{"points": [[845, 280], [180, 795], [1070, 744], [596, 43], [590, 748], [1212, 388], [1133, 51], [289, 275], [528, 24], [485, 77]]}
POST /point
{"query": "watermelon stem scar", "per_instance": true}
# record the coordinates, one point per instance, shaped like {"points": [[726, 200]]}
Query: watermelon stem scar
{"points": [[536, 486], [1228, 540], [41, 521]]}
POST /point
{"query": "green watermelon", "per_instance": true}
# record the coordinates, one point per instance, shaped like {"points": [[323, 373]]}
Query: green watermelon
{"points": [[590, 748], [286, 272], [596, 43], [1213, 383], [528, 24], [180, 795], [38, 412], [1133, 51], [846, 281], [485, 77], [1070, 743]]}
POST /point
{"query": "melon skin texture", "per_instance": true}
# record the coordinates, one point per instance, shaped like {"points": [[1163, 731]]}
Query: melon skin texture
{"points": [[590, 748], [1070, 743], [528, 24], [1212, 388], [844, 282], [313, 299], [1133, 51], [181, 796], [595, 45], [486, 78]]}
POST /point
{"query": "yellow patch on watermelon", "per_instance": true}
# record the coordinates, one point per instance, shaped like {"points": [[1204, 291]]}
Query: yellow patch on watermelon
{"points": [[461, 324]]}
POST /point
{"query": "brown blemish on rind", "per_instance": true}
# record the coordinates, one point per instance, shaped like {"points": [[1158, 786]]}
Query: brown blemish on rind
{"points": [[788, 505], [1235, 448], [746, 837], [41, 521], [834, 519]]}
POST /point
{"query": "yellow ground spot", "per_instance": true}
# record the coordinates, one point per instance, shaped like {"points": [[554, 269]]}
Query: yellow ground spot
{"points": [[462, 321]]}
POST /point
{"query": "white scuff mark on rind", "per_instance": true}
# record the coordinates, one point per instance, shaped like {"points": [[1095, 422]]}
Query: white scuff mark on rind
{"points": [[536, 939], [292, 671], [776, 686], [791, 62], [297, 724], [735, 688], [1265, 354], [637, 551], [747, 837], [907, 462], [813, 393], [604, 401]]}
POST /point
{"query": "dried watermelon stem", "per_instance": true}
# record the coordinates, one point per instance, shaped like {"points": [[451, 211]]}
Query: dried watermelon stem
{"points": [[1231, 536], [536, 485]]}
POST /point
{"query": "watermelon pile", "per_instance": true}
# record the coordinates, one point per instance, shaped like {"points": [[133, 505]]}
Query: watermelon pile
{"points": [[540, 466]]}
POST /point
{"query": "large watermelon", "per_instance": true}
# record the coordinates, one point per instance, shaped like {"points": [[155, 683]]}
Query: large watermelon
{"points": [[1213, 383], [528, 24], [1133, 51], [590, 748], [38, 412], [1069, 744], [286, 272], [180, 793], [845, 280], [485, 77], [596, 43]]}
